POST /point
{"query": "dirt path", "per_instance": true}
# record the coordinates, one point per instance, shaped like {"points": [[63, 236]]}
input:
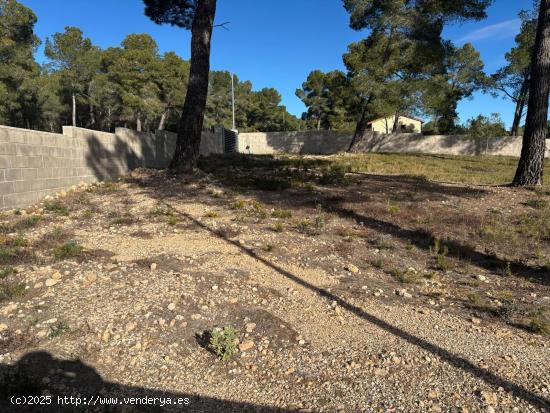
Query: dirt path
{"points": [[316, 333]]}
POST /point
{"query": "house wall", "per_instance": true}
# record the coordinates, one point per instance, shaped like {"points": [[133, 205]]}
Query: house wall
{"points": [[34, 164], [386, 125]]}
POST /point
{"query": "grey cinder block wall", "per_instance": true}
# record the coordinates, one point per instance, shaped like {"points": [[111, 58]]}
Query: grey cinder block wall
{"points": [[35, 164], [329, 142]]}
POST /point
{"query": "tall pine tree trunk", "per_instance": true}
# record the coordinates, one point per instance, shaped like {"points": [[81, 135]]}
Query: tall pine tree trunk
{"points": [[360, 128], [395, 122], [520, 106], [531, 163], [192, 117]]}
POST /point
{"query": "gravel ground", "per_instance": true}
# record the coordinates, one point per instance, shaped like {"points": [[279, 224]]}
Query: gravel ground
{"points": [[320, 329]]}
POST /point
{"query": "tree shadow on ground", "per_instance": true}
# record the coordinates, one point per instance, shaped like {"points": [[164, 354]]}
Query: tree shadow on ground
{"points": [[452, 359], [255, 173], [68, 378]]}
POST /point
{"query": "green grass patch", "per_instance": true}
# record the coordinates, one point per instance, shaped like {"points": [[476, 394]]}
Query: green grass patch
{"points": [[56, 206], [68, 250]]}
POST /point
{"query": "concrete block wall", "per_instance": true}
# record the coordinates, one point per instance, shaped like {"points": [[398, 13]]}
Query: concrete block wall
{"points": [[35, 164], [327, 142]]}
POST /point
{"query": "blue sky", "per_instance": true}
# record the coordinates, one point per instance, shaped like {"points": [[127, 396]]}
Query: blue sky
{"points": [[276, 43]]}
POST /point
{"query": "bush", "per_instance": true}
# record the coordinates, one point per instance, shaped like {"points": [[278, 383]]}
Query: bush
{"points": [[57, 207], [68, 250], [223, 342]]}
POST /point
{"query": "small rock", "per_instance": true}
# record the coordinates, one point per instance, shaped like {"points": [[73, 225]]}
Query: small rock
{"points": [[246, 345], [91, 277], [196, 317], [153, 266], [56, 275], [3, 327], [489, 397], [380, 372], [172, 306], [351, 268], [402, 292], [130, 326], [432, 394], [250, 327], [50, 282], [481, 277], [475, 320]]}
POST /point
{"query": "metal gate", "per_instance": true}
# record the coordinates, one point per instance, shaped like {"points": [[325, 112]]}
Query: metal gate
{"points": [[229, 141]]}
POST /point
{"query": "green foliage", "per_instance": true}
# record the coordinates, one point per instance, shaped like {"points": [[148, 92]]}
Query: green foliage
{"points": [[327, 97], [6, 271], [440, 251], [405, 277], [223, 342], [513, 80], [10, 291], [56, 206], [537, 322], [29, 221], [281, 213], [278, 227], [57, 330], [19, 94], [67, 251], [484, 127]]}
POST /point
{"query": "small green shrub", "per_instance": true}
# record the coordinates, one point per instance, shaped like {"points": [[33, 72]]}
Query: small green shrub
{"points": [[68, 250], [507, 310], [474, 298], [405, 277], [159, 211], [303, 225], [320, 221], [505, 270], [126, 219], [281, 213], [212, 214], [223, 342], [172, 221], [56, 206], [7, 271], [393, 208], [335, 174], [238, 204], [378, 263], [440, 251], [57, 330], [11, 291], [269, 247], [537, 203], [30, 221], [537, 323], [278, 227]]}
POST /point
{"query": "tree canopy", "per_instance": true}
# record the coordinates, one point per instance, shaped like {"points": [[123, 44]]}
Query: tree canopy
{"points": [[131, 85]]}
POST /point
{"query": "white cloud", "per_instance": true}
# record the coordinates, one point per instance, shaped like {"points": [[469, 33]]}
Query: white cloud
{"points": [[503, 30]]}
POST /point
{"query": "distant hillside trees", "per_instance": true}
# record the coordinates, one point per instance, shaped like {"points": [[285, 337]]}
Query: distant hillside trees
{"points": [[132, 85]]}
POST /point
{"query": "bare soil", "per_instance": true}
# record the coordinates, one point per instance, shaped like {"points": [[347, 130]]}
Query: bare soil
{"points": [[350, 292]]}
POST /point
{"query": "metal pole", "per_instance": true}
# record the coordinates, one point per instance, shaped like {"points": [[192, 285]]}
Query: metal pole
{"points": [[233, 99]]}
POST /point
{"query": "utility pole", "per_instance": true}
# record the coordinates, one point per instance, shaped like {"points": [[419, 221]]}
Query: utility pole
{"points": [[233, 98]]}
